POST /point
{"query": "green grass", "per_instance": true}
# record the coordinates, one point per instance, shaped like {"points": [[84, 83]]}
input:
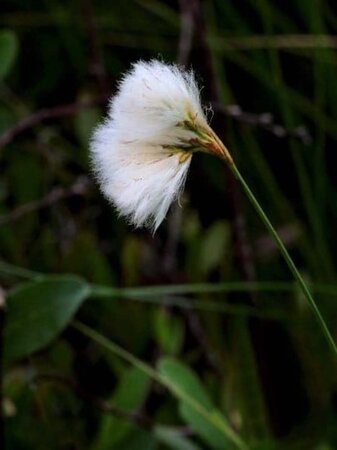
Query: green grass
{"points": [[247, 353]]}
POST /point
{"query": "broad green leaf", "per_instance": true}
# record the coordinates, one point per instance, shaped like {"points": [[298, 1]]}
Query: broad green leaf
{"points": [[129, 396], [8, 51], [186, 381], [173, 439], [38, 311]]}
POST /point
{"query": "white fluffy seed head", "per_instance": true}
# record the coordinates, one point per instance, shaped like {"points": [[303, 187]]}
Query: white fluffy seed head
{"points": [[142, 151]]}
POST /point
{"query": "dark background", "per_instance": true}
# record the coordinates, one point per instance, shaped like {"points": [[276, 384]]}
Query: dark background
{"points": [[269, 71]]}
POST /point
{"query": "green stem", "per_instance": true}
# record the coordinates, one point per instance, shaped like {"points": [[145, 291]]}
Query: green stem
{"points": [[286, 256]]}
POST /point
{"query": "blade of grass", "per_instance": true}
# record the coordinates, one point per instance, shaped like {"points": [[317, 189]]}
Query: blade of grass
{"points": [[211, 416], [305, 182], [304, 105], [248, 384], [179, 289], [321, 72], [260, 163], [208, 306]]}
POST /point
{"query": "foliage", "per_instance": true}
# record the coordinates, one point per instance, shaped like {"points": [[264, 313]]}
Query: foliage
{"points": [[196, 337]]}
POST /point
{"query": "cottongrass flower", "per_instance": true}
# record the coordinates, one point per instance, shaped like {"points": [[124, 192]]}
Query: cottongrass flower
{"points": [[142, 151]]}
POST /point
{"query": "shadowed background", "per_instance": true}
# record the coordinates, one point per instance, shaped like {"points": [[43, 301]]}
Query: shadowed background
{"points": [[268, 70]]}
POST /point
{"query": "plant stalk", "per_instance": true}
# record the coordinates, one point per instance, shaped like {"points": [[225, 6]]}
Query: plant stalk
{"points": [[298, 277]]}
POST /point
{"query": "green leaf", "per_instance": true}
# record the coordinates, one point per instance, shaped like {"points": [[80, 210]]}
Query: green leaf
{"points": [[186, 381], [38, 311], [173, 439], [129, 396], [247, 387], [9, 46], [214, 246], [181, 382], [169, 331], [139, 440]]}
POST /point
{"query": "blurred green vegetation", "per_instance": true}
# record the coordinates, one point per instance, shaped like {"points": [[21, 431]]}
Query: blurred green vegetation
{"points": [[222, 349]]}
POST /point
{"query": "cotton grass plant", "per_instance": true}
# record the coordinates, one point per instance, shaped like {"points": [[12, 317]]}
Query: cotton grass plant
{"points": [[142, 151]]}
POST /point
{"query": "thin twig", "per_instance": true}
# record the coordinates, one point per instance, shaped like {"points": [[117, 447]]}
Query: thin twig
{"points": [[133, 416], [98, 403], [80, 187], [40, 116], [264, 121]]}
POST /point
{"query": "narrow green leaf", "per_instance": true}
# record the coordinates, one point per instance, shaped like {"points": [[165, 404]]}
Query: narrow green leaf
{"points": [[169, 330], [139, 440], [185, 380], [129, 396], [8, 51], [247, 387], [38, 311], [216, 421], [214, 246], [173, 439]]}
